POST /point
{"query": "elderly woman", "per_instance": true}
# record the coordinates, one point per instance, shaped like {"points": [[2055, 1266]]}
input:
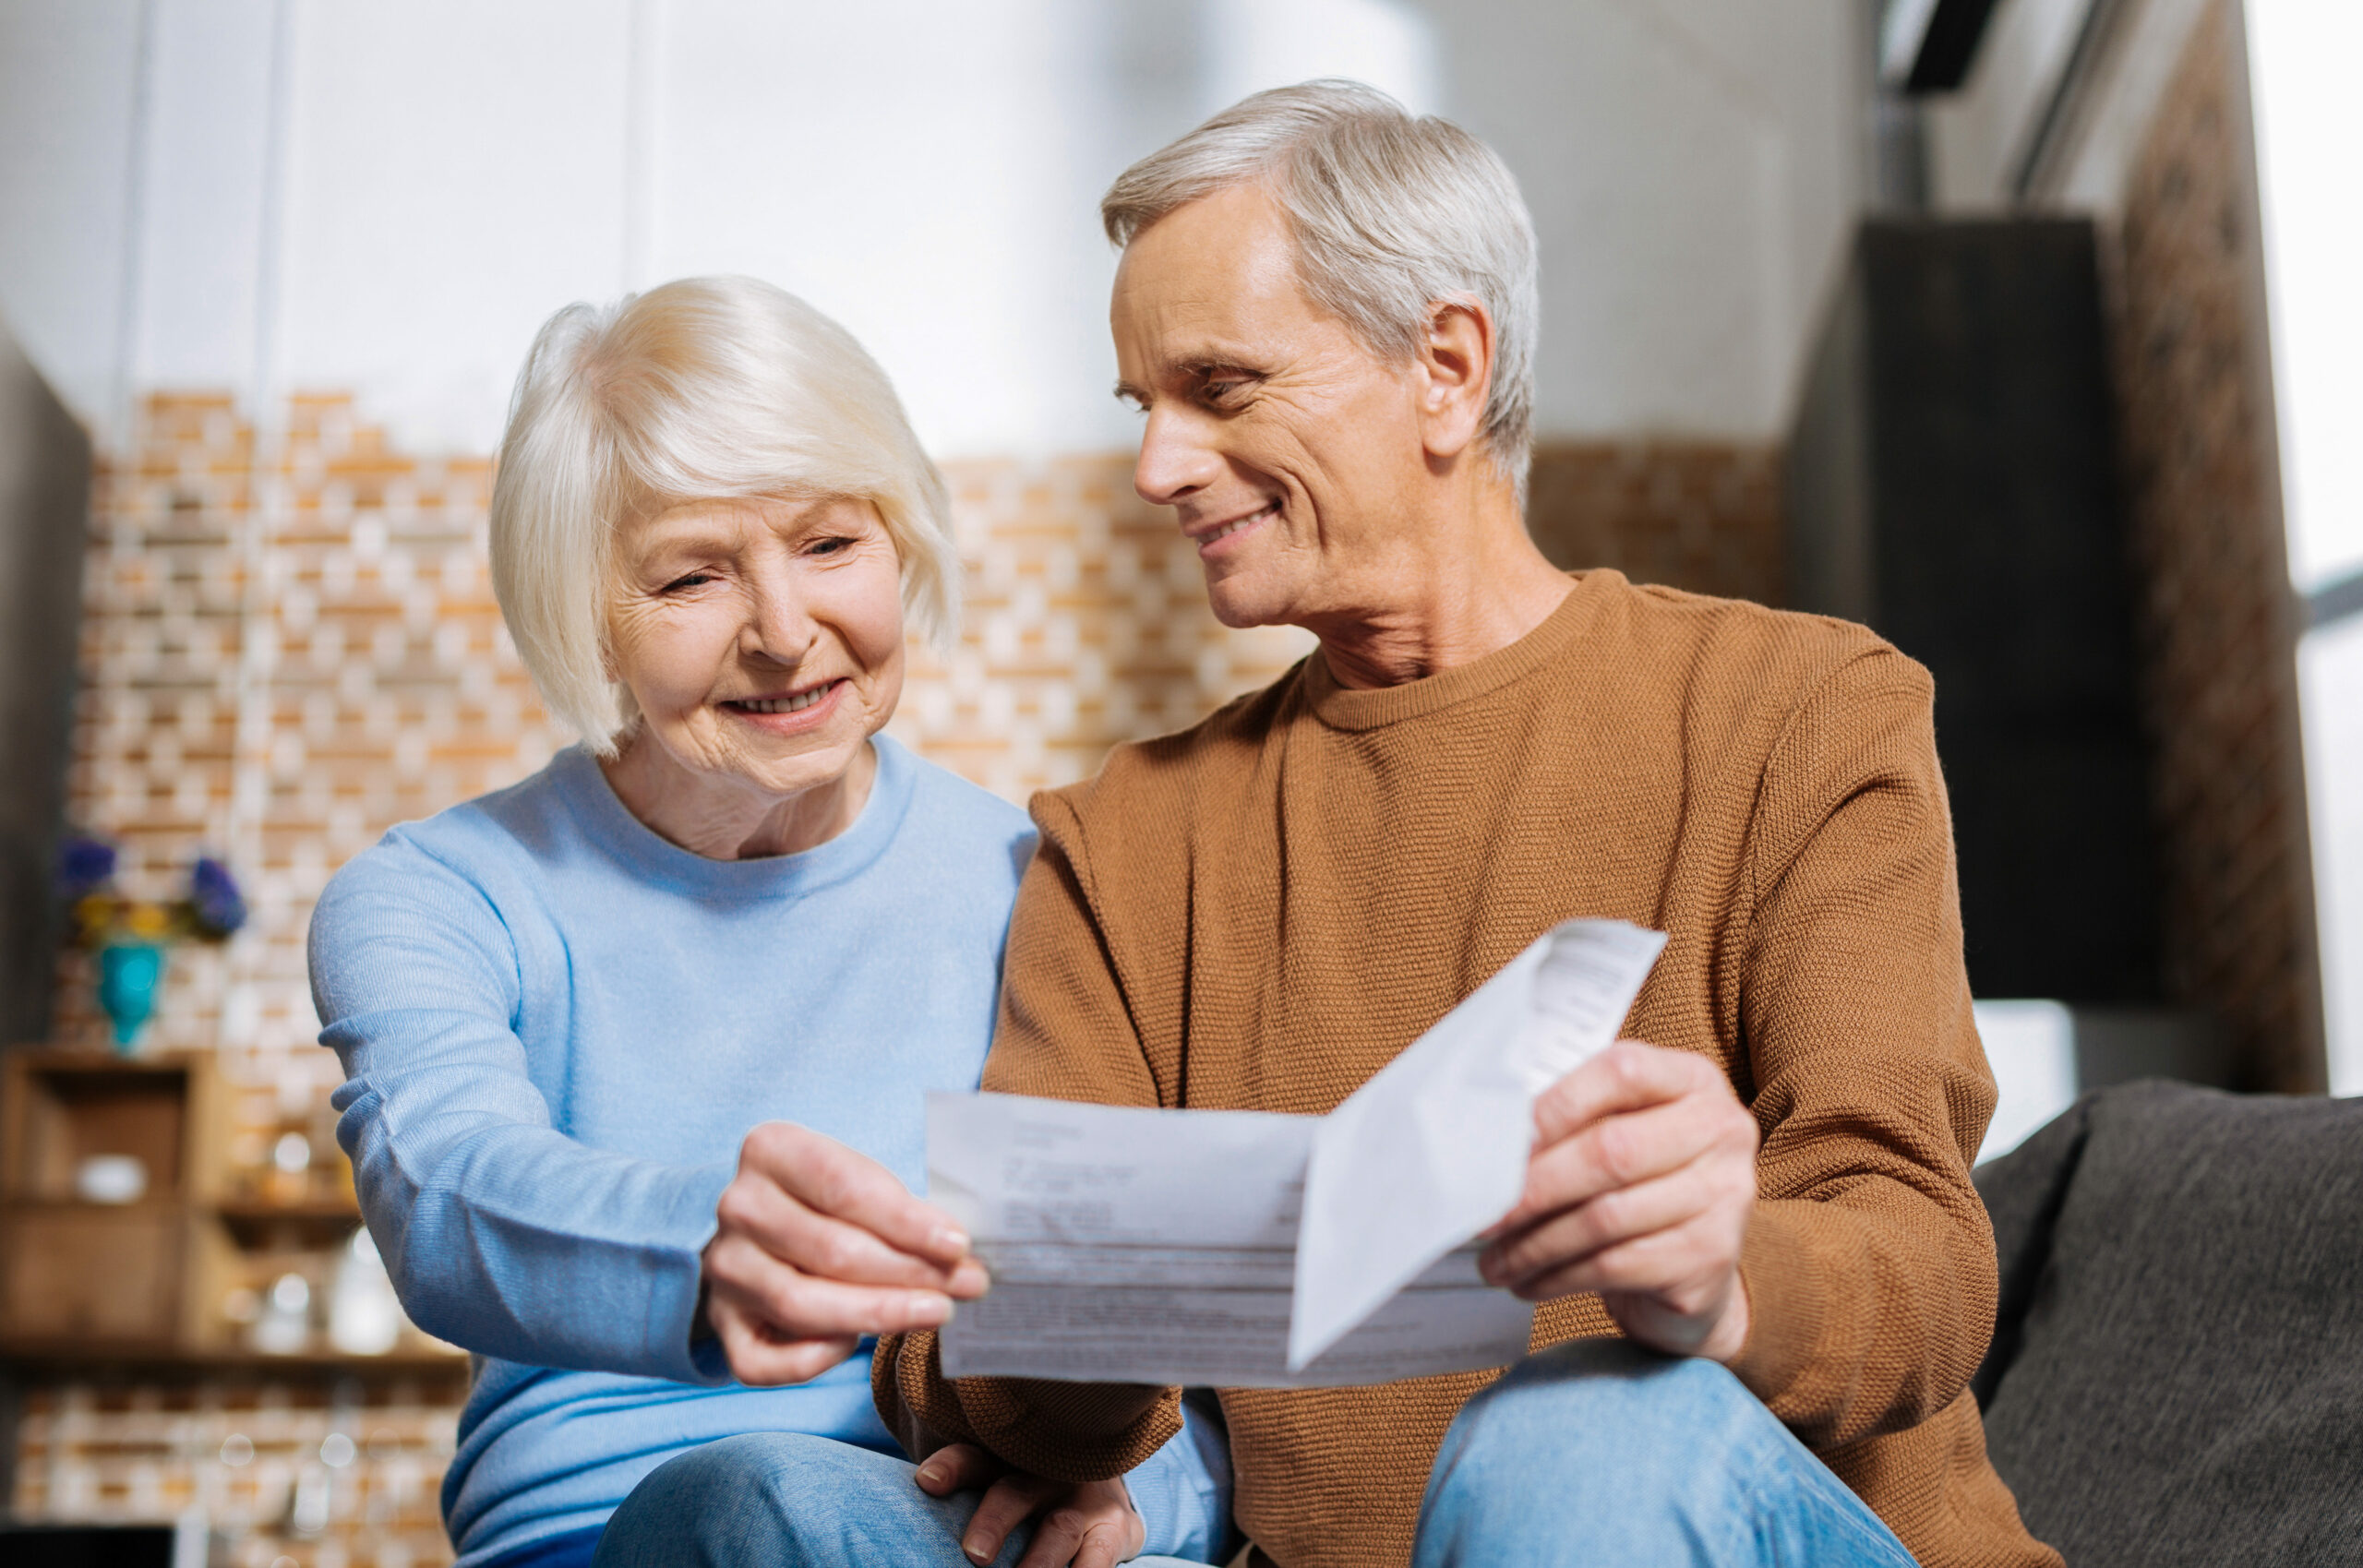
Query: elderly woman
{"points": [[636, 1050]]}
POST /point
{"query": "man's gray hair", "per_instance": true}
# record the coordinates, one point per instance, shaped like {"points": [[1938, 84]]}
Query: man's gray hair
{"points": [[1391, 214]]}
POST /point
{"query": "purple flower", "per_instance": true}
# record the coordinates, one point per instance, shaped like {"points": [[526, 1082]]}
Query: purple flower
{"points": [[84, 865], [214, 899]]}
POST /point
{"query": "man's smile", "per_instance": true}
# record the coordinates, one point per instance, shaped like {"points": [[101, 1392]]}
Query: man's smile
{"points": [[1207, 536]]}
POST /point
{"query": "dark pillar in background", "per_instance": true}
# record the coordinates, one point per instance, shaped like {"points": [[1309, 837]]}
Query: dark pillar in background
{"points": [[44, 513], [1951, 483]]}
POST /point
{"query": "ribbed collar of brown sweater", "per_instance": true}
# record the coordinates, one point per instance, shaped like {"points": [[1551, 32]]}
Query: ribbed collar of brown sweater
{"points": [[1356, 708]]}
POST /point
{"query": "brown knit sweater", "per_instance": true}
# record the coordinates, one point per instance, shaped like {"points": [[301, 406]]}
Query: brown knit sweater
{"points": [[1259, 913]]}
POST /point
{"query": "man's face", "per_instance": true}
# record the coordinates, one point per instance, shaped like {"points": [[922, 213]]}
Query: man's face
{"points": [[1292, 455]]}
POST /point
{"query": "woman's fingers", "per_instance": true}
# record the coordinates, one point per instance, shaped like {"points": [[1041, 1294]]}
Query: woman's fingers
{"points": [[797, 1306], [800, 1305], [759, 1363], [761, 1358], [756, 1206], [828, 1177], [802, 1273]]}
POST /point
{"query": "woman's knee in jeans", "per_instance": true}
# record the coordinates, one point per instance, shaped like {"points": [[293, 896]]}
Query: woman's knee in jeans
{"points": [[781, 1488], [731, 1467]]}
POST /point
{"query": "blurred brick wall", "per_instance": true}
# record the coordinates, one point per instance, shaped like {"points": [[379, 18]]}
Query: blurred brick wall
{"points": [[288, 649], [281, 682], [315, 1472], [2215, 605], [1701, 515]]}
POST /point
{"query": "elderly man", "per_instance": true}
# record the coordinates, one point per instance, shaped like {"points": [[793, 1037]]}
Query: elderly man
{"points": [[1765, 1277]]}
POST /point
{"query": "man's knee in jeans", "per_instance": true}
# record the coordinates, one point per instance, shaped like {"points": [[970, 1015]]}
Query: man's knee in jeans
{"points": [[1597, 1451], [1608, 1418]]}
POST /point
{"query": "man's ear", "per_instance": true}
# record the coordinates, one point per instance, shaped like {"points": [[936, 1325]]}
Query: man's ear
{"points": [[1455, 360]]}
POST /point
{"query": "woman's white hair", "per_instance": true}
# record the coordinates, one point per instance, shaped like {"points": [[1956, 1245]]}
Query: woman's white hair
{"points": [[1391, 214], [704, 388]]}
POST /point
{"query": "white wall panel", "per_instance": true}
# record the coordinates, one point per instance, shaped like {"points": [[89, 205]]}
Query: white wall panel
{"points": [[1979, 136], [928, 171], [455, 172], [1689, 173], [2309, 132], [1255, 44], [903, 166], [199, 240], [67, 71]]}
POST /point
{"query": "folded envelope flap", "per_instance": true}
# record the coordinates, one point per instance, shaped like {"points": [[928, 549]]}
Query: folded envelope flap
{"points": [[1582, 988], [1433, 1148]]}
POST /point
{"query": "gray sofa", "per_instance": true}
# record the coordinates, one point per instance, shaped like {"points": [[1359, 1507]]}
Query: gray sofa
{"points": [[2177, 1375]]}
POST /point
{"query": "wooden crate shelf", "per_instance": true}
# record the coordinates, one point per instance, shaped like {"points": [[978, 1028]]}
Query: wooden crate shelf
{"points": [[146, 1282]]}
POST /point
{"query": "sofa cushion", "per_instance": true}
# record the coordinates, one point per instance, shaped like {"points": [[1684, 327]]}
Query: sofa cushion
{"points": [[2177, 1375]]}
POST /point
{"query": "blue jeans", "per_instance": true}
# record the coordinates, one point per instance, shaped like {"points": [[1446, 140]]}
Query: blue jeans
{"points": [[783, 1499], [1597, 1452], [1591, 1453]]}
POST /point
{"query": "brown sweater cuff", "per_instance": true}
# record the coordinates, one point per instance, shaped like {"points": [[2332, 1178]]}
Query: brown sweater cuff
{"points": [[1778, 1270], [1065, 1432], [917, 1406]]}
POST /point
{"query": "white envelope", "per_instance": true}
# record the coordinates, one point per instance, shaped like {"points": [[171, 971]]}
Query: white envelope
{"points": [[1236, 1249]]}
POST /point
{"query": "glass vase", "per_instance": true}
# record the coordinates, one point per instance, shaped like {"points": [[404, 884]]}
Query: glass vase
{"points": [[130, 973]]}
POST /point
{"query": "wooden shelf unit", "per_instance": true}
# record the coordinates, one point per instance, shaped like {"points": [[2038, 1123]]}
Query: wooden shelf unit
{"points": [[62, 1106], [131, 1277], [145, 1282]]}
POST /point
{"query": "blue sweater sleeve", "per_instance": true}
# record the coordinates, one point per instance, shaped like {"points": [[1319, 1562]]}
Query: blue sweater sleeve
{"points": [[503, 1235]]}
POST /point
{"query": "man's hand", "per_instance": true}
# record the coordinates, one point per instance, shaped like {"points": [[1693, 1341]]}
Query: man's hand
{"points": [[1640, 1185], [1090, 1525], [817, 1245]]}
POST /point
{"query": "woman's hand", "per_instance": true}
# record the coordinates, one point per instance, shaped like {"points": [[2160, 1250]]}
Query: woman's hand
{"points": [[817, 1245], [1087, 1525]]}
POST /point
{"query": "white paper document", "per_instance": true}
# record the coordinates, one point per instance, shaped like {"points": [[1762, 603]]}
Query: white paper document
{"points": [[1241, 1249]]}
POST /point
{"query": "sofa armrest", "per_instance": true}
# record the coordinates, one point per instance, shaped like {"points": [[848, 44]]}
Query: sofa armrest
{"points": [[2023, 1191]]}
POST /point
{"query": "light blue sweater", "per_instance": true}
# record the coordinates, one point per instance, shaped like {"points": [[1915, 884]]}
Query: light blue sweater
{"points": [[557, 1027]]}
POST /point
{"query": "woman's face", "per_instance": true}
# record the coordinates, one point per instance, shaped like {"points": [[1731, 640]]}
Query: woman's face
{"points": [[762, 639]]}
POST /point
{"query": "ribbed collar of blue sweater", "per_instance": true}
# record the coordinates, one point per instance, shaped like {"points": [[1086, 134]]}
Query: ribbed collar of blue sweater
{"points": [[583, 785]]}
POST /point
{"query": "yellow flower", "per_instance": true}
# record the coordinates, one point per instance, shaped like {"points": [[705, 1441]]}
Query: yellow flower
{"points": [[151, 920], [93, 913]]}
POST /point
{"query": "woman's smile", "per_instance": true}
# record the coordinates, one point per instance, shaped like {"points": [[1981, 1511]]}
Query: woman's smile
{"points": [[789, 713]]}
